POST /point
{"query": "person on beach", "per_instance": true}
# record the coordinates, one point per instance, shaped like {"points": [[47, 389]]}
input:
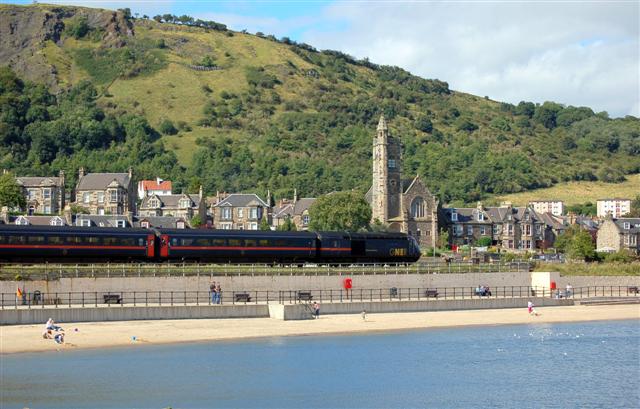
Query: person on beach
{"points": [[316, 310], [364, 315], [51, 326], [59, 338], [569, 290], [530, 307]]}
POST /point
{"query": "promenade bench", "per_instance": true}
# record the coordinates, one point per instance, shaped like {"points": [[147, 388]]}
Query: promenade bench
{"points": [[242, 297], [431, 293], [633, 290], [304, 296], [112, 298]]}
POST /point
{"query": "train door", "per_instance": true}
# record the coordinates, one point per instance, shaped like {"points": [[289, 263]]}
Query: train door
{"points": [[164, 246], [151, 245]]}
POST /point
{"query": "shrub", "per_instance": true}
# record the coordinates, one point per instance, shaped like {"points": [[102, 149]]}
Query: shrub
{"points": [[167, 128]]}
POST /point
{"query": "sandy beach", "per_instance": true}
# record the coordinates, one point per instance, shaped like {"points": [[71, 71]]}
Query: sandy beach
{"points": [[28, 338]]}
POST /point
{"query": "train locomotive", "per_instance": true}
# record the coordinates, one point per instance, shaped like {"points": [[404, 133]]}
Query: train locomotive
{"points": [[86, 244]]}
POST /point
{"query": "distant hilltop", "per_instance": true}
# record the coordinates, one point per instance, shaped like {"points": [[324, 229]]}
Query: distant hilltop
{"points": [[192, 101]]}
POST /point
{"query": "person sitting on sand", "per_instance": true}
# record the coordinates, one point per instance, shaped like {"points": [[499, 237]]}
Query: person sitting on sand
{"points": [[59, 338], [51, 325]]}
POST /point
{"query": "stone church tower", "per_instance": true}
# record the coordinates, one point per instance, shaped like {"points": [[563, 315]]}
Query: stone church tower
{"points": [[387, 159], [403, 205]]}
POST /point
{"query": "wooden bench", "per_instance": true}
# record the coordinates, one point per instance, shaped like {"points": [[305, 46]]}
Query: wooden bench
{"points": [[304, 296], [431, 293], [112, 298], [242, 297], [633, 290]]}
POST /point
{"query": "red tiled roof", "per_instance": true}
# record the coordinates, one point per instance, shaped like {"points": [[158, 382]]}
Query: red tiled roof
{"points": [[153, 185]]}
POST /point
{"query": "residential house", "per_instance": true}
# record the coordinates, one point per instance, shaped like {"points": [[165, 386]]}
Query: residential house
{"points": [[239, 211], [157, 187], [44, 195], [616, 207], [106, 193], [184, 206], [555, 207], [618, 234], [92, 220], [296, 210], [26, 220], [161, 222]]}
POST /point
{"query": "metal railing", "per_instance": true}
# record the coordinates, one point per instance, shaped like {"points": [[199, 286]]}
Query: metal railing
{"points": [[57, 271], [117, 299]]}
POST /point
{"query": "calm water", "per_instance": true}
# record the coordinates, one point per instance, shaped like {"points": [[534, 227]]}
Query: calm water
{"points": [[527, 366]]}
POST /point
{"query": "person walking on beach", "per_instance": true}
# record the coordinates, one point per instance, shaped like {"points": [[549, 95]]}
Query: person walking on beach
{"points": [[212, 292], [218, 294], [530, 307], [316, 310], [364, 315]]}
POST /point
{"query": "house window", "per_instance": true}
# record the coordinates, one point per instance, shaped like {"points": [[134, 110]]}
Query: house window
{"points": [[454, 216], [100, 197], [483, 230], [392, 163], [417, 208], [144, 225], [240, 213], [113, 195], [185, 203], [120, 223], [46, 193], [153, 203], [86, 197], [510, 229], [480, 216], [253, 226], [253, 213], [305, 219], [496, 229], [527, 230], [47, 209], [538, 229], [85, 222], [180, 225], [226, 213], [457, 230], [101, 211], [32, 194], [469, 230], [626, 225]]}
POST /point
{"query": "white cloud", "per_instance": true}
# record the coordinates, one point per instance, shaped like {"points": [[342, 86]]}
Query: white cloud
{"points": [[574, 52]]}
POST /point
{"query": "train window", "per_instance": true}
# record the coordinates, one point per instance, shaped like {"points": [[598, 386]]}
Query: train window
{"points": [[174, 242], [93, 240], [335, 244], [128, 241], [187, 242], [110, 241], [264, 243], [55, 240], [35, 239], [202, 242], [281, 242], [17, 239], [218, 242], [142, 242], [235, 242], [250, 243]]}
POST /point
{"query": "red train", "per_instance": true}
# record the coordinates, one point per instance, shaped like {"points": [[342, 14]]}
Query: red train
{"points": [[85, 244]]}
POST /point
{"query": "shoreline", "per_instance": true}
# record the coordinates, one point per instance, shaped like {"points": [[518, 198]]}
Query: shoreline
{"points": [[18, 339]]}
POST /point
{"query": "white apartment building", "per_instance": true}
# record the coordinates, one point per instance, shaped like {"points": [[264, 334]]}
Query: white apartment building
{"points": [[616, 207], [555, 207]]}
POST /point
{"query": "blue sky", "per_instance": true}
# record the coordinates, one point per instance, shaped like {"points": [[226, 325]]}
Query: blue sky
{"points": [[583, 53]]}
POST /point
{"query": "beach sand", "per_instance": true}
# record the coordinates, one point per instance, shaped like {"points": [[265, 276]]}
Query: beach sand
{"points": [[28, 338]]}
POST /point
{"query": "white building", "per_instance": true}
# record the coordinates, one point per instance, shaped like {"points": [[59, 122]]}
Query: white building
{"points": [[555, 207], [157, 187], [616, 207]]}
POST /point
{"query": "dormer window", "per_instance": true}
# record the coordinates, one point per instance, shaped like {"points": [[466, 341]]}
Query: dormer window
{"points": [[454, 216], [144, 224], [22, 221], [85, 222], [480, 216], [185, 203], [120, 223], [626, 225], [153, 203], [56, 221]]}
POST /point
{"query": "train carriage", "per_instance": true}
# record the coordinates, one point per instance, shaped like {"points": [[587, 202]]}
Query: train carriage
{"points": [[54, 243], [237, 246], [345, 247]]}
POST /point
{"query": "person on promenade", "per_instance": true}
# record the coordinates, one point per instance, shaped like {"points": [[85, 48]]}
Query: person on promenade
{"points": [[316, 310], [569, 290], [218, 294], [212, 292]]}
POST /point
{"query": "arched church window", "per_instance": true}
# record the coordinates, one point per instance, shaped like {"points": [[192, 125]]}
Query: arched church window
{"points": [[417, 208]]}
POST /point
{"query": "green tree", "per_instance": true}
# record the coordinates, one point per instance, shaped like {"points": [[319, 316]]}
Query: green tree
{"points": [[264, 224], [483, 242], [196, 221], [635, 207], [563, 242], [10, 192], [443, 239], [167, 127], [288, 225], [581, 247], [340, 211]]}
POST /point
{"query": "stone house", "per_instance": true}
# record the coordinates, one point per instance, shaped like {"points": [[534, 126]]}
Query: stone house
{"points": [[297, 210], [404, 205], [44, 195], [184, 206], [618, 234], [106, 193], [154, 187], [239, 211]]}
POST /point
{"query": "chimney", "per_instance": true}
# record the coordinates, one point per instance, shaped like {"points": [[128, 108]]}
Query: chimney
{"points": [[479, 206], [81, 172], [201, 193], [158, 180], [269, 197], [130, 172], [295, 196]]}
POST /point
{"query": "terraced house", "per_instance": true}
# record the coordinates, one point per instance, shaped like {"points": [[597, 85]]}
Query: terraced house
{"points": [[44, 195], [510, 228], [619, 234], [182, 206], [239, 211], [106, 193]]}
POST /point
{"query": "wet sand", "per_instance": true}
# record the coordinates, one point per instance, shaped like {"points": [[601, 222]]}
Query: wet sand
{"points": [[28, 338]]}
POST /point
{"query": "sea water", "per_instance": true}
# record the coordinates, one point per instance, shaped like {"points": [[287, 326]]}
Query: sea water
{"points": [[578, 365]]}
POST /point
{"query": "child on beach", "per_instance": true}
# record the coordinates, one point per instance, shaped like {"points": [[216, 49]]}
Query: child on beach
{"points": [[530, 309]]}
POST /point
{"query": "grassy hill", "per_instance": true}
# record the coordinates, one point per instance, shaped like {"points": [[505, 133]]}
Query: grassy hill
{"points": [[573, 193], [278, 115]]}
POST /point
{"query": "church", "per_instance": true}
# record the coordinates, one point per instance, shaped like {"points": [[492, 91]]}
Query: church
{"points": [[404, 205]]}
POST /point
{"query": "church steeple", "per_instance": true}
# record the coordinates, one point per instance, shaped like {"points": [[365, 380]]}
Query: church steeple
{"points": [[385, 194], [382, 124]]}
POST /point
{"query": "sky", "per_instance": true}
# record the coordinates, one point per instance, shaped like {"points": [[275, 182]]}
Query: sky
{"points": [[581, 53]]}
